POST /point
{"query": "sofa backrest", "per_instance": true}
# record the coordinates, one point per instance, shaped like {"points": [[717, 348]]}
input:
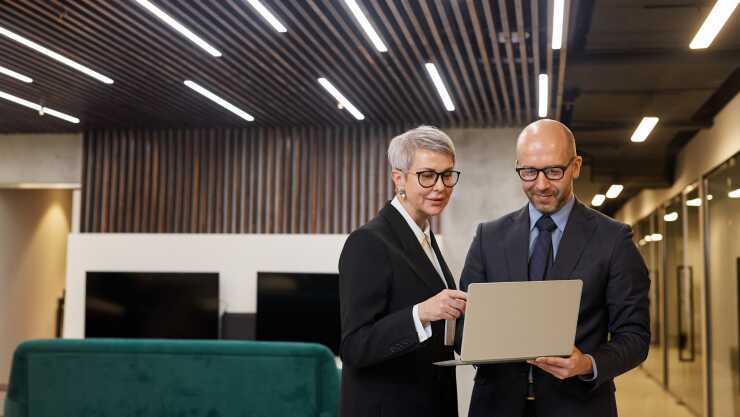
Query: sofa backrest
{"points": [[163, 378]]}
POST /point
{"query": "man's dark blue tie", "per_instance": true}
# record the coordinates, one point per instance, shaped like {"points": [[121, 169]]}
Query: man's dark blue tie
{"points": [[542, 258], [539, 263]]}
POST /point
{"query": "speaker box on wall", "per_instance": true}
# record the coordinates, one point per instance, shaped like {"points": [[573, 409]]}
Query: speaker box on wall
{"points": [[238, 326]]}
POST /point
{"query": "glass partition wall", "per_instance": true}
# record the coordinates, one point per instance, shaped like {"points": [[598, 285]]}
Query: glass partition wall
{"points": [[649, 237], [691, 246], [670, 242], [723, 248], [685, 290]]}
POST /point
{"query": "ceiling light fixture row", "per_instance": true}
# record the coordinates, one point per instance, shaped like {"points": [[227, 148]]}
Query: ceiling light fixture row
{"points": [[713, 24], [54, 55], [556, 43]]}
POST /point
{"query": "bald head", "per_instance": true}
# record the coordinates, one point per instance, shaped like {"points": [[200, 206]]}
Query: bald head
{"points": [[546, 136], [548, 147]]}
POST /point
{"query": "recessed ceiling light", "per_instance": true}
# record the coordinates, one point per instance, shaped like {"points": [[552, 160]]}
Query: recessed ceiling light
{"points": [[51, 54], [671, 217], [734, 193], [174, 24], [614, 191], [341, 99], [13, 74], [714, 22], [558, 17], [440, 86], [598, 200], [694, 202], [366, 26], [221, 102], [544, 96], [41, 109], [267, 15], [656, 237], [644, 128]]}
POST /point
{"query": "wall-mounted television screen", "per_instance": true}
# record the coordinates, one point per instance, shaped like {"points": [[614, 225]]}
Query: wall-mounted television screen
{"points": [[170, 305], [299, 307]]}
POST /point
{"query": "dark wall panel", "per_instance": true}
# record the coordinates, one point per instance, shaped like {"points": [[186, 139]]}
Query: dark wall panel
{"points": [[257, 180]]}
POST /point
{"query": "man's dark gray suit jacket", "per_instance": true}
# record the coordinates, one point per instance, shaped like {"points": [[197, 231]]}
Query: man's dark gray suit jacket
{"points": [[613, 321]]}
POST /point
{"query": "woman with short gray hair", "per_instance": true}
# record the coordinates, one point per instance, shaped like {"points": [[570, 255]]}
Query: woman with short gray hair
{"points": [[397, 296]]}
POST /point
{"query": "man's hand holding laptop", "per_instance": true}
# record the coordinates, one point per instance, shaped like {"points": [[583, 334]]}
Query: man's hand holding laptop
{"points": [[574, 365]]}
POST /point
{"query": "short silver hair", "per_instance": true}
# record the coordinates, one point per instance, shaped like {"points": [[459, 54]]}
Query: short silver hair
{"points": [[403, 147]]}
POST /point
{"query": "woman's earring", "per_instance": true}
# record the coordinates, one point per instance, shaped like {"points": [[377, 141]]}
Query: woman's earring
{"points": [[402, 193]]}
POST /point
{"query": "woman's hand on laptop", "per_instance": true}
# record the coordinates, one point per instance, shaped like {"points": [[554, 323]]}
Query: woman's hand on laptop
{"points": [[446, 305], [575, 364]]}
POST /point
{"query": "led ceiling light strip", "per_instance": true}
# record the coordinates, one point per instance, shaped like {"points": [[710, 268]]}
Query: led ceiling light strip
{"points": [[714, 22], [598, 200], [174, 24], [13, 74], [614, 191], [440, 86], [644, 128], [41, 109], [51, 54], [341, 98], [558, 17], [267, 15], [544, 96], [221, 102], [366, 26]]}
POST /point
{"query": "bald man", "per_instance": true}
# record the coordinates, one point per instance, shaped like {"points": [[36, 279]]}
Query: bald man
{"points": [[556, 237]]}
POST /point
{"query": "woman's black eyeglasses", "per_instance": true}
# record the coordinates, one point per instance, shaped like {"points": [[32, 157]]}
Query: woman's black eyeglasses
{"points": [[428, 178]]}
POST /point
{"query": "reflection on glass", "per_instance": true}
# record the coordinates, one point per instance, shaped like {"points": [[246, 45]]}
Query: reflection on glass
{"points": [[648, 234], [684, 288], [724, 271]]}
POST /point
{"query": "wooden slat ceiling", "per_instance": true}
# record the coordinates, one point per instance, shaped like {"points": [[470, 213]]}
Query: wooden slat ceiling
{"points": [[621, 60], [476, 45]]}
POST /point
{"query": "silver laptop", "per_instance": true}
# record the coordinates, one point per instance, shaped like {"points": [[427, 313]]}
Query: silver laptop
{"points": [[516, 321]]}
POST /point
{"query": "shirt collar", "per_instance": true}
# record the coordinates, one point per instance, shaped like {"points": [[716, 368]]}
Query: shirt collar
{"points": [[420, 234], [560, 217]]}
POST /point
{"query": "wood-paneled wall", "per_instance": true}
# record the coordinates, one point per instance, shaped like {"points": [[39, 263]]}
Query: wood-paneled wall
{"points": [[251, 180]]}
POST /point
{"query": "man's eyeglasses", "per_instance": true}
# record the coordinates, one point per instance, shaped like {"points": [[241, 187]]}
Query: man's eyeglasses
{"points": [[428, 178], [553, 172]]}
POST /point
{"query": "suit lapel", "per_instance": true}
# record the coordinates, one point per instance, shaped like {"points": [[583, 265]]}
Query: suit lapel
{"points": [[516, 245], [445, 270], [412, 250], [578, 232]]}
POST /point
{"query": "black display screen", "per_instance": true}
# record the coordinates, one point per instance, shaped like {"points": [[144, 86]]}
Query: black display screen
{"points": [[299, 307], [170, 305]]}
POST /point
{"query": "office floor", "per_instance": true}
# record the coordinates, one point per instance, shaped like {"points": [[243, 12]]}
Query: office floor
{"points": [[638, 396]]}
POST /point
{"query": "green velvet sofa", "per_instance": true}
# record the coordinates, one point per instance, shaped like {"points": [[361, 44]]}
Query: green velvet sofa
{"points": [[171, 378]]}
